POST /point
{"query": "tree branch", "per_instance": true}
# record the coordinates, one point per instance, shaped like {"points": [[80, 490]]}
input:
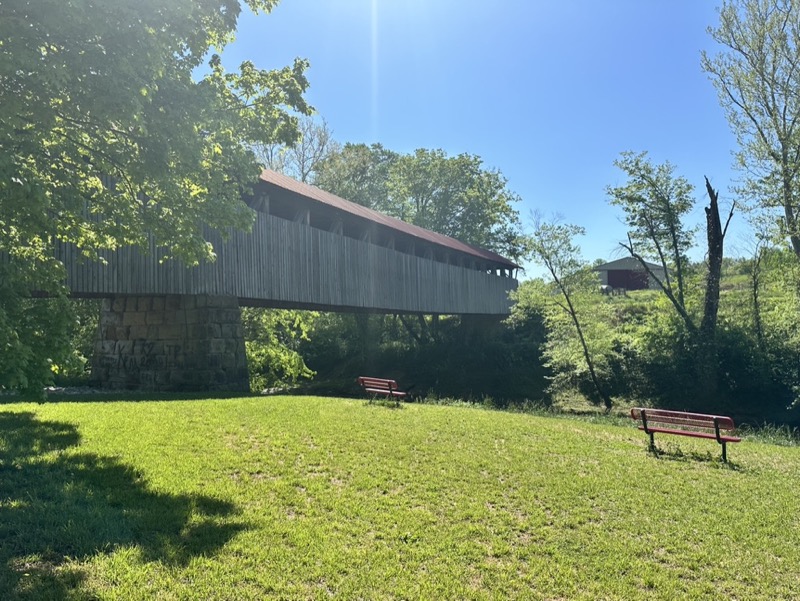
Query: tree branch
{"points": [[678, 307]]}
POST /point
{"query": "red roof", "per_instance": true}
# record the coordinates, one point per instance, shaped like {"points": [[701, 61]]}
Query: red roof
{"points": [[331, 200]]}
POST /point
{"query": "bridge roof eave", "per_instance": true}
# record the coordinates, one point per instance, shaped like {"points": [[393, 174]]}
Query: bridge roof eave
{"points": [[317, 195]]}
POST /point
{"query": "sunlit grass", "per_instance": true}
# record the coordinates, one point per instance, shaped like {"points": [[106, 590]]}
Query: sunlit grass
{"points": [[309, 498]]}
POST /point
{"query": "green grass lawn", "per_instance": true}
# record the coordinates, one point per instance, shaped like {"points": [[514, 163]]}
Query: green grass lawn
{"points": [[310, 498]]}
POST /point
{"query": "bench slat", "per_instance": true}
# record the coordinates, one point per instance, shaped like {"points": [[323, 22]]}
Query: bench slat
{"points": [[709, 435], [689, 423], [385, 391], [374, 382]]}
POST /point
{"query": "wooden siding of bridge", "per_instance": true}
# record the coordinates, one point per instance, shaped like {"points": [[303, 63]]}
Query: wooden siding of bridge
{"points": [[288, 264]]}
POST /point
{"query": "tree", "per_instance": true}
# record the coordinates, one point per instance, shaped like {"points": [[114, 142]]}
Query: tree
{"points": [[108, 137], [655, 204], [762, 257], [360, 174], [552, 246], [458, 197], [455, 196], [302, 159], [33, 332], [715, 239], [272, 339], [757, 75]]}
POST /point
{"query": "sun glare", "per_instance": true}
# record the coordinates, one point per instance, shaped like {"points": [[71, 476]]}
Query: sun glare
{"points": [[374, 72]]}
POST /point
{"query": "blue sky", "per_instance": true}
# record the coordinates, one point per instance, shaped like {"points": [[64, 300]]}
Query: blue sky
{"points": [[549, 92]]}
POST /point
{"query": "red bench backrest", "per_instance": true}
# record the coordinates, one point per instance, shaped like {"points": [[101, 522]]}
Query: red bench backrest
{"points": [[682, 418], [368, 382]]}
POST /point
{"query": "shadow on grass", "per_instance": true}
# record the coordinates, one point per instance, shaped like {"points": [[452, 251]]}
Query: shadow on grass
{"points": [[674, 453], [383, 403], [115, 396], [72, 506]]}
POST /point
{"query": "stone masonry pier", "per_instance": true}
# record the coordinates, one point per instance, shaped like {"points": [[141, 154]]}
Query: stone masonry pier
{"points": [[171, 343]]}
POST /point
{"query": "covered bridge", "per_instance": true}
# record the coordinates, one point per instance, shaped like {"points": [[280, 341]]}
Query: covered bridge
{"points": [[169, 326], [628, 274]]}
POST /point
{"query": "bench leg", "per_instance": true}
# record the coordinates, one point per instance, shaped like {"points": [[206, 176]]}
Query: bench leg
{"points": [[652, 446], [724, 454]]}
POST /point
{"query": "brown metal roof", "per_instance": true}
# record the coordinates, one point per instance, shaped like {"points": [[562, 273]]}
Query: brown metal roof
{"points": [[331, 200]]}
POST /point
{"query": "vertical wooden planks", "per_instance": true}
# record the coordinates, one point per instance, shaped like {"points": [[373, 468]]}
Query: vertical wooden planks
{"points": [[293, 264]]}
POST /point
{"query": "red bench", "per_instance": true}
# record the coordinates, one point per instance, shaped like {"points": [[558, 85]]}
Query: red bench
{"points": [[381, 386], [698, 425]]}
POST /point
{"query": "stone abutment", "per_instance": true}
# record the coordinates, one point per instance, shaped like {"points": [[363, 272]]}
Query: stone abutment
{"points": [[171, 343]]}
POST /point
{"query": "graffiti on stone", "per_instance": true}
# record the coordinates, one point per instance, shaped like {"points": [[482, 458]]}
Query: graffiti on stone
{"points": [[168, 343]]}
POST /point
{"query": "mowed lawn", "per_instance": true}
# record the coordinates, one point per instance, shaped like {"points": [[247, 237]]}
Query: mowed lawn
{"points": [[311, 498]]}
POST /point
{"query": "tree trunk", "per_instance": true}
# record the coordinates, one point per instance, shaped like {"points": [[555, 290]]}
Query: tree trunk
{"points": [[788, 205], [679, 267], [707, 360], [791, 226], [607, 403], [367, 343], [409, 328], [716, 237], [425, 330], [755, 283]]}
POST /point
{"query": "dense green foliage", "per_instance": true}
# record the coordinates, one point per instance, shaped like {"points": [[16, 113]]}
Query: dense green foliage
{"points": [[33, 333], [108, 138], [456, 196], [564, 351], [485, 361], [655, 204], [553, 246], [272, 338], [75, 369], [644, 353], [358, 173], [309, 498]]}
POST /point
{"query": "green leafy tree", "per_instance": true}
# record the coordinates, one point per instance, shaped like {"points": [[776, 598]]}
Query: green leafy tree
{"points": [[458, 197], [108, 137], [455, 196], [655, 203], [360, 174], [775, 304], [552, 245], [33, 332], [272, 341], [762, 262], [75, 369], [560, 350], [757, 75]]}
